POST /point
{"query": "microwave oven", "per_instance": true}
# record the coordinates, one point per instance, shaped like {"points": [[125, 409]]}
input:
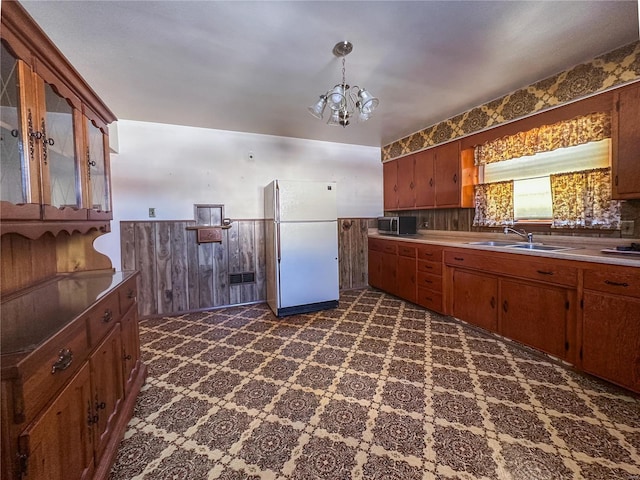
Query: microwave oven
{"points": [[398, 225]]}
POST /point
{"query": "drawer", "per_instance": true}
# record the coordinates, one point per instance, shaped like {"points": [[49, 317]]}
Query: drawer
{"points": [[430, 267], [429, 299], [432, 282], [515, 265], [127, 294], [385, 246], [102, 318], [407, 251], [431, 253], [49, 367], [617, 281]]}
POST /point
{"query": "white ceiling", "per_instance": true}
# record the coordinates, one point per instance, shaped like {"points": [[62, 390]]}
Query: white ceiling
{"points": [[256, 66]]}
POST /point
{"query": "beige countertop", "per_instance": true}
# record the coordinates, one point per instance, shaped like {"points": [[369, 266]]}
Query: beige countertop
{"points": [[585, 249]]}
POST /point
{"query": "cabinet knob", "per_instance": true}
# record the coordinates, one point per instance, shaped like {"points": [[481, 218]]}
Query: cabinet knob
{"points": [[65, 357], [455, 178], [108, 316], [131, 294], [127, 357], [431, 182], [505, 306]]}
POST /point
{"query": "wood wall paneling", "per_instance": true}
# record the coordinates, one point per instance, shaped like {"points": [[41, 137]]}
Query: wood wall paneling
{"points": [[177, 274]]}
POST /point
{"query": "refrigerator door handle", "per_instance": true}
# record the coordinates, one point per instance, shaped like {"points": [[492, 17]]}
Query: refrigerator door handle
{"points": [[277, 212], [278, 240]]}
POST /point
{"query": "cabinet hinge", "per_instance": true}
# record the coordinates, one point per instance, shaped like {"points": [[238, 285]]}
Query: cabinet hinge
{"points": [[580, 353], [566, 305], [566, 346], [617, 105], [582, 303], [23, 464]]}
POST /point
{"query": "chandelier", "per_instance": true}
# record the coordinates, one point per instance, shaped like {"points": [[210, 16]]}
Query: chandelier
{"points": [[345, 101]]}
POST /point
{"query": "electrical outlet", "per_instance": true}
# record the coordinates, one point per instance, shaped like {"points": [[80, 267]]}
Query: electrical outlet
{"points": [[152, 212], [627, 228]]}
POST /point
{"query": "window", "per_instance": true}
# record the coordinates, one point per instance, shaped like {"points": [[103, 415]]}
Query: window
{"points": [[532, 199]]}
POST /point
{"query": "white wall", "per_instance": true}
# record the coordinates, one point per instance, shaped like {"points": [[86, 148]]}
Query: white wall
{"points": [[172, 167]]}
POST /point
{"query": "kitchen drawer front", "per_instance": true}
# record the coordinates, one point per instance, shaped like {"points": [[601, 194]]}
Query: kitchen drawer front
{"points": [[408, 251], [432, 282], [431, 253], [429, 299], [434, 268], [102, 318], [385, 246], [548, 271], [52, 365], [127, 294], [621, 282]]}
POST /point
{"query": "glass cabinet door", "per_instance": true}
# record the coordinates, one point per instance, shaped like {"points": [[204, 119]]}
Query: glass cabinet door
{"points": [[99, 187], [58, 151], [13, 171]]}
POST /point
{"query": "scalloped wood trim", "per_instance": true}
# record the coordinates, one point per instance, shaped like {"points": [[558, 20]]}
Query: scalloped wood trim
{"points": [[34, 230]]}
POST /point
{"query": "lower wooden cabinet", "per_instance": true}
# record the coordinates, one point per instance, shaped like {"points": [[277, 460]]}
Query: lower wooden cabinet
{"points": [[86, 390], [58, 443], [610, 324], [475, 299], [536, 315], [406, 272]]}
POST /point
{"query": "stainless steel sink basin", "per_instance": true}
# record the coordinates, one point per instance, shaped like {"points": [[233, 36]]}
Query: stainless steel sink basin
{"points": [[534, 246], [493, 243]]}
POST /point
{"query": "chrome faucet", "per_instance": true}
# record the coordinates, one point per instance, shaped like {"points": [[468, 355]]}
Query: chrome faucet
{"points": [[523, 233]]}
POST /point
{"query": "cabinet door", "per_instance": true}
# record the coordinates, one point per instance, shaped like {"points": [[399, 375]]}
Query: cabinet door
{"points": [[626, 148], [389, 273], [424, 179], [19, 167], [535, 314], [107, 387], [97, 157], [406, 191], [58, 444], [447, 173], [130, 347], [611, 338], [375, 268], [407, 278], [475, 299], [390, 190]]}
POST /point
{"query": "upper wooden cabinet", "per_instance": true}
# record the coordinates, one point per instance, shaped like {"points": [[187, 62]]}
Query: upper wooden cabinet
{"points": [[440, 177], [55, 156], [626, 143]]}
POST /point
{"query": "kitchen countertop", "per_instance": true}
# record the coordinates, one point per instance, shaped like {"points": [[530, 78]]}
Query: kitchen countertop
{"points": [[584, 249]]}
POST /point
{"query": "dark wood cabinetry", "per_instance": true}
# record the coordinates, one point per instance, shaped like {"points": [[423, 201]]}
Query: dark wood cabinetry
{"points": [[429, 280], [406, 272], [527, 300], [55, 159], [440, 177], [610, 346], [626, 143], [69, 379]]}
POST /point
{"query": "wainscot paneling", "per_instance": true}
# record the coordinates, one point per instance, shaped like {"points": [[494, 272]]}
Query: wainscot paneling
{"points": [[178, 275]]}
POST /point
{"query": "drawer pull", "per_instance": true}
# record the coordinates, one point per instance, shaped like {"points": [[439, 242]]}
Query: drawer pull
{"points": [[492, 302], [127, 357], [505, 306], [616, 284], [544, 272], [131, 294], [65, 357], [460, 259], [427, 281], [101, 406], [108, 316]]}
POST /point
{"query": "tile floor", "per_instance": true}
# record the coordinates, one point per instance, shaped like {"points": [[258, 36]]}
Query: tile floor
{"points": [[375, 389]]}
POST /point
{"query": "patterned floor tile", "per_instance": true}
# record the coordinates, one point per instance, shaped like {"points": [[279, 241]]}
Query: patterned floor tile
{"points": [[375, 389]]}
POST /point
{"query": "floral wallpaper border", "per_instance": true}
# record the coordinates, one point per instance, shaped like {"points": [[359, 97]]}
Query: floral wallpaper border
{"points": [[617, 67]]}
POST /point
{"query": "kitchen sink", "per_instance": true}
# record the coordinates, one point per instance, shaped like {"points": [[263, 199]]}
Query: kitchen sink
{"points": [[534, 246], [493, 243], [522, 245]]}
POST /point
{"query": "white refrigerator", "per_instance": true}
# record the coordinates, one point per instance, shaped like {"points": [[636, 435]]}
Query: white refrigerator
{"points": [[301, 246]]}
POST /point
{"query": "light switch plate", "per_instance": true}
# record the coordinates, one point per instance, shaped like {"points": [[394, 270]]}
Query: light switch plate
{"points": [[152, 212]]}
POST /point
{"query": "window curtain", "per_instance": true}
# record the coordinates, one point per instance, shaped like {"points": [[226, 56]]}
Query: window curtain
{"points": [[583, 200], [494, 204], [588, 128]]}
